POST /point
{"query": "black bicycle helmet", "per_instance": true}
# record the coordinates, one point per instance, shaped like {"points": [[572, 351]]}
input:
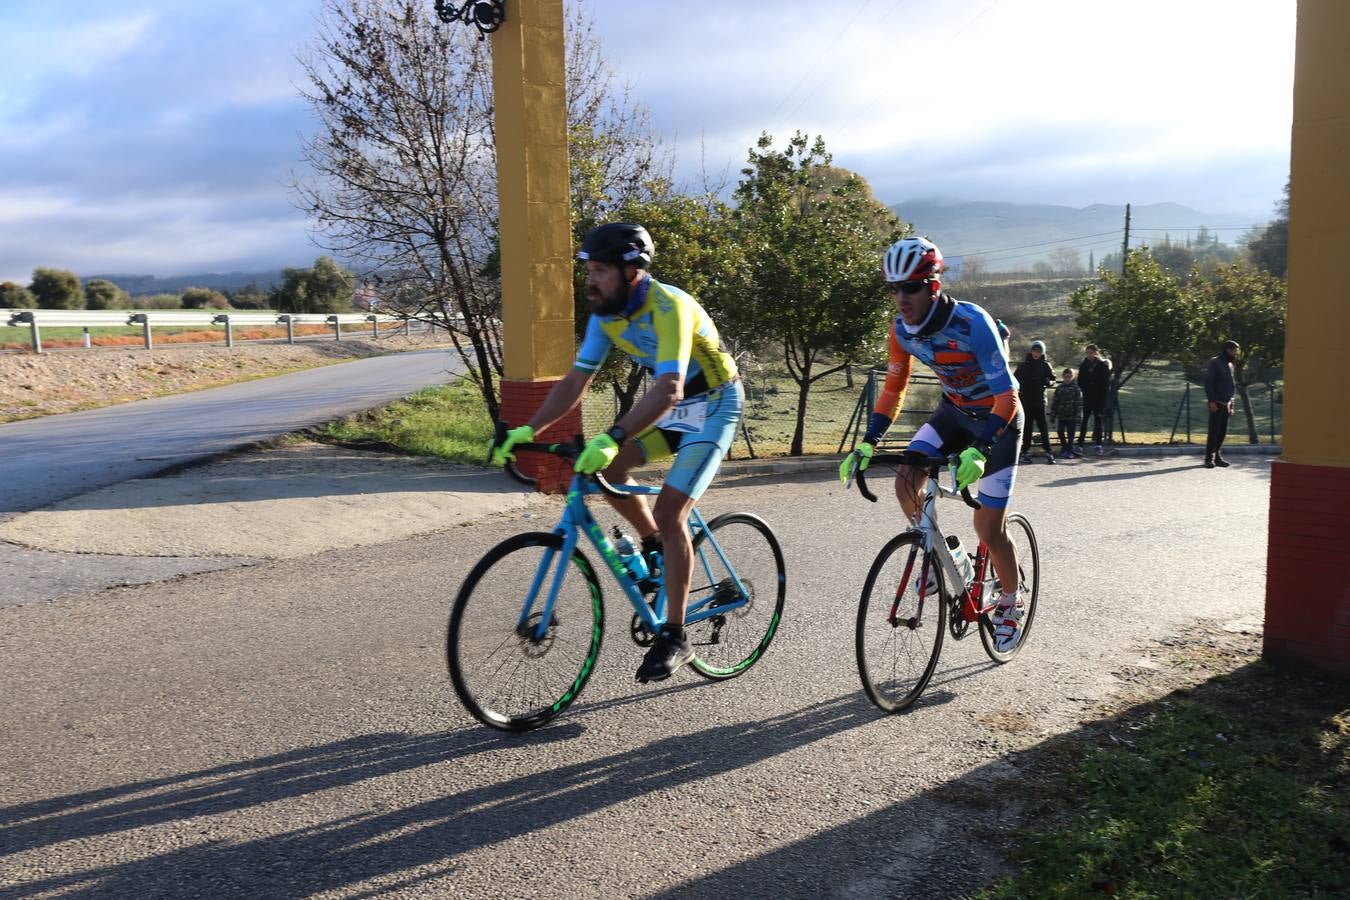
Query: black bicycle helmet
{"points": [[620, 243]]}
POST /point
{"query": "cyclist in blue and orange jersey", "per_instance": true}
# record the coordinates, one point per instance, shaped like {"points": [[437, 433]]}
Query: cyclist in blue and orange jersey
{"points": [[691, 411], [979, 415]]}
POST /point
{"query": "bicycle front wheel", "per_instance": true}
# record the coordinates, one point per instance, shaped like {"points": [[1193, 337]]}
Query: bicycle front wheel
{"points": [[727, 644], [899, 632], [1029, 575], [505, 674]]}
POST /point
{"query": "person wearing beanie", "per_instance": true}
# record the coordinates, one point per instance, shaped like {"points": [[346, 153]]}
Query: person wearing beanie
{"points": [[1220, 386], [1033, 376]]}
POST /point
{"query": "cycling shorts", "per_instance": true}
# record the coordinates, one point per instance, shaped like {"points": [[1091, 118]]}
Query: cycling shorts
{"points": [[698, 454], [951, 430]]}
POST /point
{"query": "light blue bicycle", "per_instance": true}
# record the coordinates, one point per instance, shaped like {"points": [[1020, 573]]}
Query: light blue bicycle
{"points": [[526, 627]]}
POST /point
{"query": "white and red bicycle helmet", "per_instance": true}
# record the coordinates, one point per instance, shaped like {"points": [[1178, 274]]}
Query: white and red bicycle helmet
{"points": [[912, 259]]}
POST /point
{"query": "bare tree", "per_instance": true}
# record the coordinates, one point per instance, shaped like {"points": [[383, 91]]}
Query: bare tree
{"points": [[404, 181], [403, 185]]}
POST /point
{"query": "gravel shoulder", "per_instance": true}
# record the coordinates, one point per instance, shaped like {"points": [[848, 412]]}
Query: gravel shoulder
{"points": [[67, 381]]}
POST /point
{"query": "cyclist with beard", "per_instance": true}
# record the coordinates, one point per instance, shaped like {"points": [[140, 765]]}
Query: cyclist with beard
{"points": [[979, 416], [691, 411]]}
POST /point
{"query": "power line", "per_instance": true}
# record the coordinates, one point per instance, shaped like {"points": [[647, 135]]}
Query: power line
{"points": [[1065, 240], [868, 108], [841, 61], [813, 65]]}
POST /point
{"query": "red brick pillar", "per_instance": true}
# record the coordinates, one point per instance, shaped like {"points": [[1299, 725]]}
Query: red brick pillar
{"points": [[520, 399], [1307, 589]]}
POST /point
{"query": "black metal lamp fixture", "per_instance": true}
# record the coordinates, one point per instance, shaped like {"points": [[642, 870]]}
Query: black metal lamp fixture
{"points": [[486, 15]]}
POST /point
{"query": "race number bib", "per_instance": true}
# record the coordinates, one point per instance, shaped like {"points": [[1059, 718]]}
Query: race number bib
{"points": [[687, 416]]}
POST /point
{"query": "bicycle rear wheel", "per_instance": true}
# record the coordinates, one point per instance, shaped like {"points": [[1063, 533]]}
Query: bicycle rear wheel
{"points": [[899, 634], [1029, 572], [505, 675], [727, 644]]}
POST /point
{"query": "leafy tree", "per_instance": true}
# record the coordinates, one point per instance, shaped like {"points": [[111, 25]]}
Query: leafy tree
{"points": [[249, 297], [812, 237], [325, 288], [1175, 259], [1242, 303], [1269, 248], [100, 293], [1139, 316], [203, 298], [56, 289], [16, 296]]}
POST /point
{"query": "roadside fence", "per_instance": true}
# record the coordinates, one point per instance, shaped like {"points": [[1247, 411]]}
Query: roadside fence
{"points": [[148, 320]]}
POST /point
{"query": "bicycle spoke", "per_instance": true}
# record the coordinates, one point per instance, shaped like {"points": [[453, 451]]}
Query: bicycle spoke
{"points": [[897, 647], [515, 683]]}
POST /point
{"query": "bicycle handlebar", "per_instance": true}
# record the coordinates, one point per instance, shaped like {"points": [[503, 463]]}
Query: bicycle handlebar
{"points": [[568, 451], [919, 460]]}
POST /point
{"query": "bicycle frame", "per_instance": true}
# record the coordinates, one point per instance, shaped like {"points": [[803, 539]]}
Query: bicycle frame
{"points": [[577, 519], [972, 604]]}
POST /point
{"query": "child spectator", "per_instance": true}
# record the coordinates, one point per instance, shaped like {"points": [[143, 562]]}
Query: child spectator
{"points": [[1066, 408]]}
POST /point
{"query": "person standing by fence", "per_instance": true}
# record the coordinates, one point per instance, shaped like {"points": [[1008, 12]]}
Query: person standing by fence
{"points": [[1220, 386], [1034, 376], [1094, 380], [1065, 409]]}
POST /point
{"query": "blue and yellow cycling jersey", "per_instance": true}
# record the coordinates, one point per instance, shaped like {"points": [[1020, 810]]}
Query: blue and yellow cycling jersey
{"points": [[665, 330]]}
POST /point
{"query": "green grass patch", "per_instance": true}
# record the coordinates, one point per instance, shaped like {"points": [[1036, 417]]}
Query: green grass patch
{"points": [[449, 422], [1237, 788]]}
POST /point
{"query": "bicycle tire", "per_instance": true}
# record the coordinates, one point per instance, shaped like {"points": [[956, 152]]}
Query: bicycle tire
{"points": [[727, 646], [888, 640], [1029, 566], [483, 629]]}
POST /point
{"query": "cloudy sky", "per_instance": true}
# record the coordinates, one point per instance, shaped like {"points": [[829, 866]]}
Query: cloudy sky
{"points": [[158, 136]]}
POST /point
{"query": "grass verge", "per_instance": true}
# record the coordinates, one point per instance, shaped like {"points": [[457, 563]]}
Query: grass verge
{"points": [[1238, 787], [449, 422]]}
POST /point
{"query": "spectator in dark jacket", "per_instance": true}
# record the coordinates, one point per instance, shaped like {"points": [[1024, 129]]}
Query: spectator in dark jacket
{"points": [[1033, 376], [1220, 385], [1065, 409], [1094, 380]]}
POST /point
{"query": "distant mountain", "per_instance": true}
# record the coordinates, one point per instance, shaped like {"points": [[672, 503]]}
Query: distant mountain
{"points": [[141, 285], [1012, 236]]}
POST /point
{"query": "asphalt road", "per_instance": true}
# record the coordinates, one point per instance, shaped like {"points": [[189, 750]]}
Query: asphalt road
{"points": [[287, 729], [49, 459]]}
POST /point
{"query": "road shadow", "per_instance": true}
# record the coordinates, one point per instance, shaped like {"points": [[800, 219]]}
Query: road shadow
{"points": [[364, 845], [1144, 468], [946, 841]]}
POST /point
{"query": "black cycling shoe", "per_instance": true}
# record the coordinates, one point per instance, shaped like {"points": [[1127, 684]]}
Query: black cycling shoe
{"points": [[667, 653]]}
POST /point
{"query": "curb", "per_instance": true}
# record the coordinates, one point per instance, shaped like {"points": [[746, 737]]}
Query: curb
{"points": [[794, 464]]}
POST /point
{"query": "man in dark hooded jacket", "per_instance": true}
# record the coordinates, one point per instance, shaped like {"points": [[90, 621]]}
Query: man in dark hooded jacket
{"points": [[1033, 376], [1220, 386], [1094, 380]]}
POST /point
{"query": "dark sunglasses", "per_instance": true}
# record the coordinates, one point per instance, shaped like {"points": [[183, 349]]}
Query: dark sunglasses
{"points": [[908, 287]]}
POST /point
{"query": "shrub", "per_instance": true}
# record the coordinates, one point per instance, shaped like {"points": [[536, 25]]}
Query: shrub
{"points": [[204, 298], [16, 296]]}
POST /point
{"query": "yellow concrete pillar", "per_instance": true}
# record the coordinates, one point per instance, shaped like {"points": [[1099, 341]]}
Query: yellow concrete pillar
{"points": [[529, 91], [529, 94], [1307, 592]]}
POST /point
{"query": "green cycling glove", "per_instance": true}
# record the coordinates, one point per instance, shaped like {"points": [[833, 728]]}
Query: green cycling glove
{"points": [[862, 456], [598, 453], [501, 453], [970, 469]]}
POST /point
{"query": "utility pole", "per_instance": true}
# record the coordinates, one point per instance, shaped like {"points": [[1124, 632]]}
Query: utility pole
{"points": [[1125, 247]]}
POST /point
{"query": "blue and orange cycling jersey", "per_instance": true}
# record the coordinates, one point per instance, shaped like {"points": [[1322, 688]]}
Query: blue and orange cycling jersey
{"points": [[960, 343], [665, 331]]}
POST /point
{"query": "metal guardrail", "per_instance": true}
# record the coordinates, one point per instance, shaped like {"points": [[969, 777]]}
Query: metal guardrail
{"points": [[35, 319]]}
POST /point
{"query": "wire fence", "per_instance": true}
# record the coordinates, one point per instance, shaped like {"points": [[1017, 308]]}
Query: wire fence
{"points": [[1156, 406]]}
